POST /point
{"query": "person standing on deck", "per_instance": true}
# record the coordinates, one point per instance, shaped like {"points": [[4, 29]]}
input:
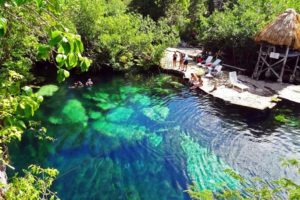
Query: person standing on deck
{"points": [[185, 62], [174, 59]]}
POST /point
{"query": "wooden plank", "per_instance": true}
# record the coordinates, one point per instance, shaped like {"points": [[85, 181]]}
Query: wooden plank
{"points": [[233, 67]]}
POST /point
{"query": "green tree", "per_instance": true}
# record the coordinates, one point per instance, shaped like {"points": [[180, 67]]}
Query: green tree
{"points": [[121, 40], [35, 184], [233, 27]]}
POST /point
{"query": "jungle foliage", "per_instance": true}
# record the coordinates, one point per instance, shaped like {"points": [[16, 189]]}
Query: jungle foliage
{"points": [[232, 27], [120, 39]]}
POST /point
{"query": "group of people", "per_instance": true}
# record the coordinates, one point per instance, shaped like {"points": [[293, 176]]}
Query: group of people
{"points": [[183, 60], [195, 80], [79, 84]]}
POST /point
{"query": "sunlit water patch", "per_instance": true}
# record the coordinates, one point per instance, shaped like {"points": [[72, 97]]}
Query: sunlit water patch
{"points": [[149, 137]]}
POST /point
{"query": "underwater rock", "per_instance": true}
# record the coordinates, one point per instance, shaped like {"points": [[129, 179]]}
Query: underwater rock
{"points": [[176, 84], [106, 106], [156, 113], [98, 96], [162, 79], [129, 132], [120, 114], [55, 120], [87, 96], [100, 172], [95, 115], [143, 100], [129, 89], [163, 91], [47, 90], [205, 168], [73, 112], [154, 139]]}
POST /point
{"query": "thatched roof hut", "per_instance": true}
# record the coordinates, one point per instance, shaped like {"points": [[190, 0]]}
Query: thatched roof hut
{"points": [[284, 31]]}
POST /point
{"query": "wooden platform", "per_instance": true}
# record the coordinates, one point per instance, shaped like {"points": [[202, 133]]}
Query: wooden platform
{"points": [[260, 95]]}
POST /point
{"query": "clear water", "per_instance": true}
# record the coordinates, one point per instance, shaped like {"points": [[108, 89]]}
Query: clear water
{"points": [[149, 137]]}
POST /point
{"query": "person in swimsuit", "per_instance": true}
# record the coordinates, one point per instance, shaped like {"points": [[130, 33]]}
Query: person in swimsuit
{"points": [[89, 83], [174, 59], [196, 81]]}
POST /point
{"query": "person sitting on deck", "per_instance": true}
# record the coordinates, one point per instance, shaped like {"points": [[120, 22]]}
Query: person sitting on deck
{"points": [[174, 59], [199, 59], [196, 81], [89, 83]]}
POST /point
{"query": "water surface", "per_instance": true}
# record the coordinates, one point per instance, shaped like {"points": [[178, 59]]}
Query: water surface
{"points": [[149, 137]]}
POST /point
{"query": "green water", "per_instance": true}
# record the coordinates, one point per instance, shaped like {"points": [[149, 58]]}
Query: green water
{"points": [[146, 137]]}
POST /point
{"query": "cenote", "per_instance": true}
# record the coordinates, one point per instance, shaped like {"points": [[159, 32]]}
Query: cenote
{"points": [[149, 137]]}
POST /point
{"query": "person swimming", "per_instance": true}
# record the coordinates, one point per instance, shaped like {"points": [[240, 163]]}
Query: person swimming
{"points": [[80, 84], [77, 84], [89, 83]]}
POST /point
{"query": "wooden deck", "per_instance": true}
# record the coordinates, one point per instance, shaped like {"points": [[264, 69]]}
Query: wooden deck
{"points": [[260, 95]]}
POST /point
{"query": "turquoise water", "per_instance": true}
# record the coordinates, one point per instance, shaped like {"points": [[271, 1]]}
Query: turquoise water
{"points": [[149, 137]]}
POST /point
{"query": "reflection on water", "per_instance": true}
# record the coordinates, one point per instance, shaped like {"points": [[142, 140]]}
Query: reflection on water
{"points": [[139, 137]]}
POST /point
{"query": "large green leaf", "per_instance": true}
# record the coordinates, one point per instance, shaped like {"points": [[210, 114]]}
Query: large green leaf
{"points": [[61, 59], [3, 26], [79, 46], [56, 38], [66, 45], [62, 74], [85, 64], [44, 52], [72, 60]]}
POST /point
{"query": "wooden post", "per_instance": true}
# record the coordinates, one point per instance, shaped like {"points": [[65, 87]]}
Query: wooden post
{"points": [[294, 71], [255, 73], [283, 64]]}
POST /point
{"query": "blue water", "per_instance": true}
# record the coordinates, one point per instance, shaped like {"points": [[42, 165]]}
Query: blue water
{"points": [[149, 137]]}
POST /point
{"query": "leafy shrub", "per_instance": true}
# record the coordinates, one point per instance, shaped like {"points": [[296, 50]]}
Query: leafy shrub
{"points": [[35, 184], [119, 39]]}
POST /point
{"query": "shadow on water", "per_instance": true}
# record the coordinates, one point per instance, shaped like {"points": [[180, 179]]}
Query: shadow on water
{"points": [[148, 137]]}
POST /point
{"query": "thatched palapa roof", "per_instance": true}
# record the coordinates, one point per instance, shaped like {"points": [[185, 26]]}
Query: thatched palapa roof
{"points": [[284, 31]]}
